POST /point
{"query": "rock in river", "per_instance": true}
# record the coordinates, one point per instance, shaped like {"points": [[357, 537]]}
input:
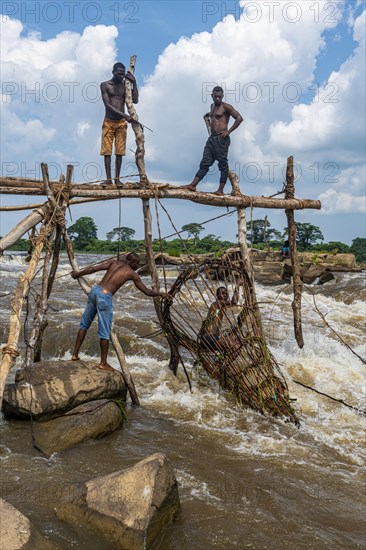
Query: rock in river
{"points": [[130, 508], [17, 532], [89, 420], [50, 388]]}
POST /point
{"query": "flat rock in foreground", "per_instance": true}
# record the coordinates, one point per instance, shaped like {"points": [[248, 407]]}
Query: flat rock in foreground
{"points": [[54, 387], [89, 420], [130, 508], [17, 532]]}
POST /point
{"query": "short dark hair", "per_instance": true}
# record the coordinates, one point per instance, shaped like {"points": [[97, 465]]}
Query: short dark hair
{"points": [[118, 65], [131, 256], [218, 89]]}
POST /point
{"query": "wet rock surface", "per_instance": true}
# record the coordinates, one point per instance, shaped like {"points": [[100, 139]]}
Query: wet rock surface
{"points": [[89, 420], [130, 508], [17, 532], [51, 388]]}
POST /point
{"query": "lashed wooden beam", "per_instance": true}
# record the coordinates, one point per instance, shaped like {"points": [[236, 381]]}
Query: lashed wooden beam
{"points": [[23, 226], [162, 191]]}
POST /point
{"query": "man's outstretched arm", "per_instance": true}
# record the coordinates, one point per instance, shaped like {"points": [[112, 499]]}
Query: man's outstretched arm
{"points": [[101, 266], [149, 291]]}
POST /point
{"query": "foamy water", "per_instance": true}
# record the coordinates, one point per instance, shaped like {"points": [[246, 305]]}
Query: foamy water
{"points": [[329, 445]]}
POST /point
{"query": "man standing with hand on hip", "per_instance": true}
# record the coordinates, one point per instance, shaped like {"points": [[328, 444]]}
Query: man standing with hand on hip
{"points": [[217, 146]]}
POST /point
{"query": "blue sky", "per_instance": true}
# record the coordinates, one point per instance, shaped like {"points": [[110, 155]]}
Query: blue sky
{"points": [[304, 61]]}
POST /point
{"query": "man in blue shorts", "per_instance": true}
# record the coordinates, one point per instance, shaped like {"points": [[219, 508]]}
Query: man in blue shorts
{"points": [[100, 300]]}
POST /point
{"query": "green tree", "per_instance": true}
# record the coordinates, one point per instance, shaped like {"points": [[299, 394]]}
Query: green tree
{"points": [[358, 248], [258, 231], [211, 237], [121, 234], [274, 235], [193, 229], [335, 247], [306, 235], [83, 232]]}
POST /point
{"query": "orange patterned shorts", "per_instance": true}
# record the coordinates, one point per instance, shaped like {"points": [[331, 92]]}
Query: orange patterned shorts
{"points": [[113, 130]]}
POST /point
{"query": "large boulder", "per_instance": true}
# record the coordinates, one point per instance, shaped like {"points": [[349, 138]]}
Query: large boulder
{"points": [[129, 508], [310, 273], [268, 272], [54, 387], [17, 532], [341, 261], [89, 420]]}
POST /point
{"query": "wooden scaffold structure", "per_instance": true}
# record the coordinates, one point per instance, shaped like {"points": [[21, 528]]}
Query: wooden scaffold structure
{"points": [[252, 375]]}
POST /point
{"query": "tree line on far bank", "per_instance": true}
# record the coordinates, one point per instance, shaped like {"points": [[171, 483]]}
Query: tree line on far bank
{"points": [[260, 235]]}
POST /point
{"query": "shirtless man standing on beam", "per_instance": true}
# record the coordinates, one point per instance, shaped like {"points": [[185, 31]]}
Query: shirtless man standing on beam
{"points": [[217, 145], [115, 121]]}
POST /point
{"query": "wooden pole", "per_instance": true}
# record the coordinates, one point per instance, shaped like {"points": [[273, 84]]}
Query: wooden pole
{"points": [[248, 266], [51, 279], [53, 269], [41, 306], [23, 226], [137, 128], [174, 350], [297, 283], [10, 351]]}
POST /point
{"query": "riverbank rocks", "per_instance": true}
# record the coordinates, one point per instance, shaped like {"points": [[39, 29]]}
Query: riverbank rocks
{"points": [[270, 268], [17, 532], [89, 420], [52, 388], [130, 508]]}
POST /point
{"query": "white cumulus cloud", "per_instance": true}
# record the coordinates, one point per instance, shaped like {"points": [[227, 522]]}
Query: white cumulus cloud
{"points": [[52, 108]]}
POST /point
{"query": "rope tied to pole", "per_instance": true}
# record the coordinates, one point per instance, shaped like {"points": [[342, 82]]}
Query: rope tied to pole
{"points": [[8, 350]]}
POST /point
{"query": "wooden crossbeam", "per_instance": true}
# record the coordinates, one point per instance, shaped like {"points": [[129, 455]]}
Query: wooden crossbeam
{"points": [[19, 186]]}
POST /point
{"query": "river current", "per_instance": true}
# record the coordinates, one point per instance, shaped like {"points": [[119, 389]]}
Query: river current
{"points": [[245, 481]]}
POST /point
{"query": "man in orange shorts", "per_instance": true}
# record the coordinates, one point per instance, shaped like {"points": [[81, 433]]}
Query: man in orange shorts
{"points": [[115, 122]]}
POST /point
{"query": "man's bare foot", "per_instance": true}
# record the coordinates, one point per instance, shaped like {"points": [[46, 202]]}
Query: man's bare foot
{"points": [[118, 182], [107, 182], [75, 358], [189, 187], [105, 367], [218, 192]]}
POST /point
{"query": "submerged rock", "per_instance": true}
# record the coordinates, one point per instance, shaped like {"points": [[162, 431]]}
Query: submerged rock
{"points": [[17, 532], [51, 388], [129, 508], [326, 278], [89, 420]]}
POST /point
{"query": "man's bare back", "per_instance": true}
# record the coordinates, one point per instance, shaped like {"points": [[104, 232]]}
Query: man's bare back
{"points": [[117, 274]]}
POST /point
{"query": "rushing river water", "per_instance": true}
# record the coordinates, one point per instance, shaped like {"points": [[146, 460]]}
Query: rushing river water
{"points": [[245, 481]]}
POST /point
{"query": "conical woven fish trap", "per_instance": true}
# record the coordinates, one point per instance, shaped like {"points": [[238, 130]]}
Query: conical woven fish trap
{"points": [[238, 358]]}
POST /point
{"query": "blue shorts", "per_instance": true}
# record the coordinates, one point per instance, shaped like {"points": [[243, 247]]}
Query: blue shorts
{"points": [[99, 302]]}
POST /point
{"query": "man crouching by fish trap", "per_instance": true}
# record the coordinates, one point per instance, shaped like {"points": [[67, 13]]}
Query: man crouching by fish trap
{"points": [[118, 272], [210, 335]]}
